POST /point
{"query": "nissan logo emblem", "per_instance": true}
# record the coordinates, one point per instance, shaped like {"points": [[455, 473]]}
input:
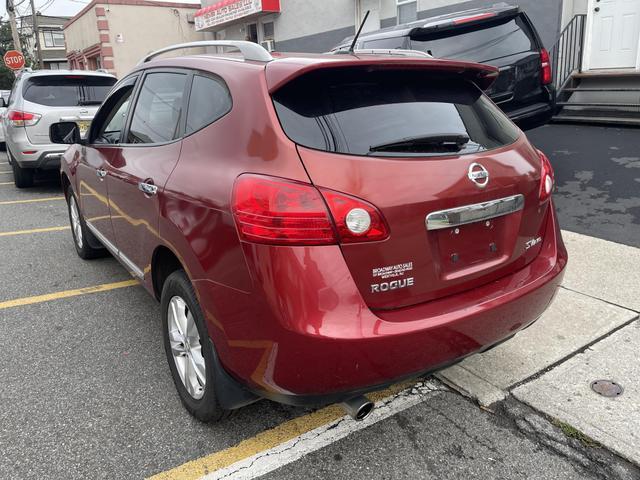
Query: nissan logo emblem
{"points": [[478, 175]]}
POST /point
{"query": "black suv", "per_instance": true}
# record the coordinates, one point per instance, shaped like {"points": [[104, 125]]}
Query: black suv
{"points": [[501, 35]]}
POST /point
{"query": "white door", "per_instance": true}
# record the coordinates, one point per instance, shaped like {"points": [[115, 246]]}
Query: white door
{"points": [[373, 22], [613, 36]]}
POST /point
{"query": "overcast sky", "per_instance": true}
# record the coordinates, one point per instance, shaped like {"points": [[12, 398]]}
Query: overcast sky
{"points": [[64, 8]]}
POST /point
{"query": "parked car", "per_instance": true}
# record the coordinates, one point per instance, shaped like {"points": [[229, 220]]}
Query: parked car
{"points": [[315, 227], [4, 100], [39, 99], [501, 35]]}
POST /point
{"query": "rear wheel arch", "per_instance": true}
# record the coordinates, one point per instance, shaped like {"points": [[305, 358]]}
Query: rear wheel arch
{"points": [[66, 184], [163, 263]]}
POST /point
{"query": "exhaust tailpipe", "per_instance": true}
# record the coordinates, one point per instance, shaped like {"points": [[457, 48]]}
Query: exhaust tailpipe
{"points": [[358, 407]]}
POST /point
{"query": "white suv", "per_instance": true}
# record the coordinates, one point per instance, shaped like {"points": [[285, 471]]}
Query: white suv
{"points": [[39, 99]]}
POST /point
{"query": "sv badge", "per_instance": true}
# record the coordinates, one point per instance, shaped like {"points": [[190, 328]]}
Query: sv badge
{"points": [[532, 243]]}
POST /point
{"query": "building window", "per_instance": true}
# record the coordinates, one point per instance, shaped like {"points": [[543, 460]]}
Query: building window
{"points": [[57, 65], [53, 38], [268, 31], [407, 11]]}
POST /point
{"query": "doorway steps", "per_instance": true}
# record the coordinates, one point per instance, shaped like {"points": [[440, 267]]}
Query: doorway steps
{"points": [[603, 96]]}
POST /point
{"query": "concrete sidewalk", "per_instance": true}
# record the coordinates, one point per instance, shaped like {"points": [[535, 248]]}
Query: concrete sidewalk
{"points": [[590, 332]]}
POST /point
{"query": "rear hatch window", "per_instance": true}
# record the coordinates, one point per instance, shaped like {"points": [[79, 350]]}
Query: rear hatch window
{"points": [[67, 90], [390, 113], [481, 42]]}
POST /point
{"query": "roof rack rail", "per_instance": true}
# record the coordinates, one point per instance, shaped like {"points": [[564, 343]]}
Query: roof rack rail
{"points": [[251, 51]]}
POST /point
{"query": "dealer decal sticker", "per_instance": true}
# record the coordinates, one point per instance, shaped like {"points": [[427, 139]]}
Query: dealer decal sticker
{"points": [[391, 272]]}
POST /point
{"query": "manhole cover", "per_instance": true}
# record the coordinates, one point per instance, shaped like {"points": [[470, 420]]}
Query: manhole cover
{"points": [[607, 388]]}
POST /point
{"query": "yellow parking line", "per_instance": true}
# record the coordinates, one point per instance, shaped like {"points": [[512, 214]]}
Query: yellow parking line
{"points": [[266, 440], [31, 200], [34, 230], [19, 302]]}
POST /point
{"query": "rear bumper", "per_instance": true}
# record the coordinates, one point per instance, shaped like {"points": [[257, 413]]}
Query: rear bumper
{"points": [[532, 116], [535, 114], [30, 155], [43, 159], [305, 335]]}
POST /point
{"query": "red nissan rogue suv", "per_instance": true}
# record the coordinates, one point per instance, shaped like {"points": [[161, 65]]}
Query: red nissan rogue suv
{"points": [[315, 227]]}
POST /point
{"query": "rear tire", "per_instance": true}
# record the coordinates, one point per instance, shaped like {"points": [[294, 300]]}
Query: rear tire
{"points": [[22, 177], [189, 349], [82, 236]]}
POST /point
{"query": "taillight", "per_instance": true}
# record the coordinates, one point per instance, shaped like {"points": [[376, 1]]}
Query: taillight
{"points": [[545, 63], [19, 118], [355, 219], [284, 212], [280, 212], [547, 179]]}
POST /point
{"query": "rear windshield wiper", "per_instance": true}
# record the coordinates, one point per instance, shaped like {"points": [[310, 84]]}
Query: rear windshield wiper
{"points": [[450, 142], [89, 102]]}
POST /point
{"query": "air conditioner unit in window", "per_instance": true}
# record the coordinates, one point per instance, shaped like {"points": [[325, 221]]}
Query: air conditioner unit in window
{"points": [[269, 45]]}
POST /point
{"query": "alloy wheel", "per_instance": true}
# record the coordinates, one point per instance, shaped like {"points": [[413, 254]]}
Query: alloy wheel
{"points": [[186, 347], [76, 225]]}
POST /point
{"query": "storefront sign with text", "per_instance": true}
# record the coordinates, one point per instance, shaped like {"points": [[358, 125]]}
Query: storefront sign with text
{"points": [[228, 11]]}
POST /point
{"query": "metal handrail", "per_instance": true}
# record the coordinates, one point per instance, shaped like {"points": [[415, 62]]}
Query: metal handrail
{"points": [[566, 54], [251, 51]]}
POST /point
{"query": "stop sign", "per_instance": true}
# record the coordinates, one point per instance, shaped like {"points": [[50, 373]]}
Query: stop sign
{"points": [[14, 59]]}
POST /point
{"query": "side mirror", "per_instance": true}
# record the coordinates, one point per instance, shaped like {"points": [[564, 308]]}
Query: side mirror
{"points": [[66, 133]]}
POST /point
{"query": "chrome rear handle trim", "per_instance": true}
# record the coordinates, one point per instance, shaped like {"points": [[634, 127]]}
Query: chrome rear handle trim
{"points": [[477, 212]]}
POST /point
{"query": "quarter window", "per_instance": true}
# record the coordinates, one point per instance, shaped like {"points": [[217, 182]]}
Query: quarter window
{"points": [[209, 101], [158, 112], [110, 120], [112, 129]]}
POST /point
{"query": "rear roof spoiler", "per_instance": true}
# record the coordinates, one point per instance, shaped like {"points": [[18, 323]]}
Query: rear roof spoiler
{"points": [[468, 19], [285, 70]]}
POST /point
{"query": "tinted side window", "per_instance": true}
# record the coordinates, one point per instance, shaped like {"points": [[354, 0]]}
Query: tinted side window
{"points": [[478, 43], [209, 101], [67, 90], [158, 111]]}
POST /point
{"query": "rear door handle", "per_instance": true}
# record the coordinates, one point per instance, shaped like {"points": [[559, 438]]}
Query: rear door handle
{"points": [[148, 188], [101, 173]]}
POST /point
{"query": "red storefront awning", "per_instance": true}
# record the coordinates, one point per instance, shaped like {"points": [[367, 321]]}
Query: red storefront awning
{"points": [[228, 11]]}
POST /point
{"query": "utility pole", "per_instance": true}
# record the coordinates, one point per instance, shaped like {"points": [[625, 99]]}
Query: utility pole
{"points": [[36, 35], [14, 28]]}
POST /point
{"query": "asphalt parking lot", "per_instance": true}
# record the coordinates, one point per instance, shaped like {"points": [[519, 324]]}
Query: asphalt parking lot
{"points": [[598, 179], [86, 391]]}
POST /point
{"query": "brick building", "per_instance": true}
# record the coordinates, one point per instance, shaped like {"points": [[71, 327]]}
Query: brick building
{"points": [[114, 34]]}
